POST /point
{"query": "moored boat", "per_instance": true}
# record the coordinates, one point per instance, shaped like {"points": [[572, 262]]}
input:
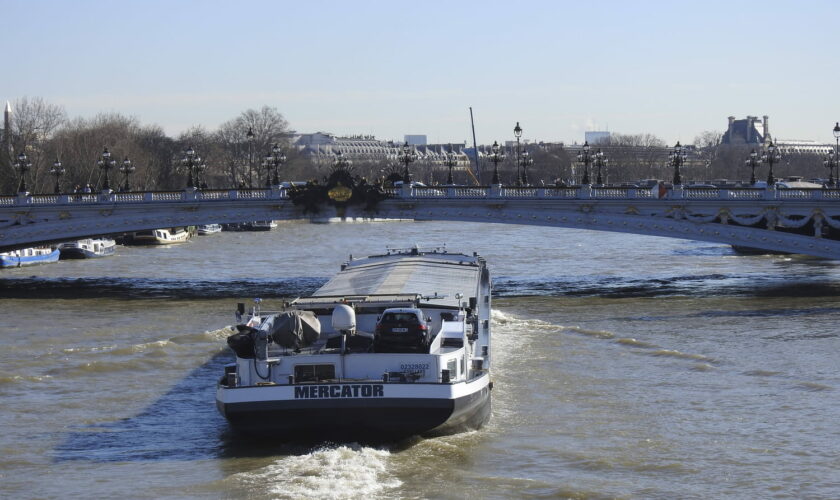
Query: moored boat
{"points": [[394, 345], [87, 248], [28, 257], [209, 229], [165, 236], [258, 225]]}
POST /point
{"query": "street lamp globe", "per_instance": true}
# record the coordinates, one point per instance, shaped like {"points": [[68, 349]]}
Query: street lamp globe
{"points": [[586, 158], [23, 164], [678, 157], [191, 160], [127, 169], [407, 156], [57, 170], [752, 162], [496, 156], [106, 163], [770, 157]]}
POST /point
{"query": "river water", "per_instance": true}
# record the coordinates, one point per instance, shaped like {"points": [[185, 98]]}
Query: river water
{"points": [[625, 367]]}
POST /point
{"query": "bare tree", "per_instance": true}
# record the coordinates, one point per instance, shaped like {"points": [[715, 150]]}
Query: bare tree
{"points": [[81, 142], [243, 154], [34, 121]]}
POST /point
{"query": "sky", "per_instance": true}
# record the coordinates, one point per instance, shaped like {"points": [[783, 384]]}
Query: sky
{"points": [[670, 68]]}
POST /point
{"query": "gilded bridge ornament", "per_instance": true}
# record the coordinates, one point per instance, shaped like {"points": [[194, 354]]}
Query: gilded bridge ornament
{"points": [[340, 193], [340, 189]]}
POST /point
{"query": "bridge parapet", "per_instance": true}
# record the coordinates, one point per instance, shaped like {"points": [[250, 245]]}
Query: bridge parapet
{"points": [[447, 192]]}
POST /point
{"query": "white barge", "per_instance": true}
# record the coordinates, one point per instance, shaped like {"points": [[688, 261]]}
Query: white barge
{"points": [[394, 345]]}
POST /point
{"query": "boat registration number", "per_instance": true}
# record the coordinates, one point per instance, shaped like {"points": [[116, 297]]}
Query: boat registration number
{"points": [[399, 330]]}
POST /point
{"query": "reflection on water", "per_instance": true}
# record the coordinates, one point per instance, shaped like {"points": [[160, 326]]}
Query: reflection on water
{"points": [[624, 367]]}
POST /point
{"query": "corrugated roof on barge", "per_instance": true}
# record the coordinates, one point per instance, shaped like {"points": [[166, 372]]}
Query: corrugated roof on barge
{"points": [[426, 274]]}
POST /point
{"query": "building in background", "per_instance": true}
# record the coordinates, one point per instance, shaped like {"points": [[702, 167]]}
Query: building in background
{"points": [[416, 140], [596, 137], [750, 130], [322, 147]]}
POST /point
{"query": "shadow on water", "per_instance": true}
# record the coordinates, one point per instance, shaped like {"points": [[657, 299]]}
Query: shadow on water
{"points": [[812, 284], [183, 424], [142, 288]]}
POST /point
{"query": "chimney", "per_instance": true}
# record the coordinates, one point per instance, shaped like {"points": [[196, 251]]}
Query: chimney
{"points": [[766, 123]]}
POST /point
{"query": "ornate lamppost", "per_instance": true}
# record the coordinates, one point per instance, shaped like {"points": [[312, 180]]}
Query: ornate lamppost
{"points": [[770, 157], [341, 163], [830, 162], [275, 159], [496, 156], [266, 164], [127, 169], [526, 161], [585, 157], [191, 161], [250, 137], [517, 132], [450, 162], [23, 164], [106, 163], [600, 163], [753, 162], [200, 178], [57, 171], [407, 156], [677, 158]]}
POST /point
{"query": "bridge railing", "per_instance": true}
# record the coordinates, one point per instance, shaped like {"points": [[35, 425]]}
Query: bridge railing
{"points": [[441, 192]]}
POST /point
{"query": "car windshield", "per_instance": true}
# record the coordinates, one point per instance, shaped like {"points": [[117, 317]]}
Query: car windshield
{"points": [[399, 318]]}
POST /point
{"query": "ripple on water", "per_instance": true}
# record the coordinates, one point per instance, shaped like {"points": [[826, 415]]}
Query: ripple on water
{"points": [[813, 386]]}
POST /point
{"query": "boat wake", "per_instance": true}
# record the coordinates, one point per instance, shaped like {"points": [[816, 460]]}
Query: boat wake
{"points": [[345, 471], [638, 346]]}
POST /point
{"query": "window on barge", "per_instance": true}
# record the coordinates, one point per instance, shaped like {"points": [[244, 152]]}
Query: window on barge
{"points": [[314, 373]]}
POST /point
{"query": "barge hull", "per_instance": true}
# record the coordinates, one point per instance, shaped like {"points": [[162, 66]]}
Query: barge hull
{"points": [[367, 420]]}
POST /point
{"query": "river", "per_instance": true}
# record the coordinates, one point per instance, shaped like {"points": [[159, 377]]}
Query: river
{"points": [[625, 367]]}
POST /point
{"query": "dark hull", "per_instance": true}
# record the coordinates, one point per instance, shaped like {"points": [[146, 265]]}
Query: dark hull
{"points": [[756, 251], [81, 253], [358, 420]]}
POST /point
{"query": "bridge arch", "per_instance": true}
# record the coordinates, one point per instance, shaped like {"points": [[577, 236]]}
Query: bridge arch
{"points": [[801, 221]]}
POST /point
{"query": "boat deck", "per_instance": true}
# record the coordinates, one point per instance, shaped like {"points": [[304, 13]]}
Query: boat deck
{"points": [[437, 277]]}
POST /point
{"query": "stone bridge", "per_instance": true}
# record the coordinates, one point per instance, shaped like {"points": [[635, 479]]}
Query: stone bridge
{"points": [[805, 221]]}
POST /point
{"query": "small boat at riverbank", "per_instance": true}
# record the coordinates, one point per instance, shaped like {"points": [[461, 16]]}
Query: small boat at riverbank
{"points": [[394, 345], [29, 257], [258, 225], [209, 229], [88, 248], [167, 236]]}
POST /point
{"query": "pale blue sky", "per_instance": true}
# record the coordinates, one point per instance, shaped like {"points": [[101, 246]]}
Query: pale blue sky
{"points": [[673, 69]]}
